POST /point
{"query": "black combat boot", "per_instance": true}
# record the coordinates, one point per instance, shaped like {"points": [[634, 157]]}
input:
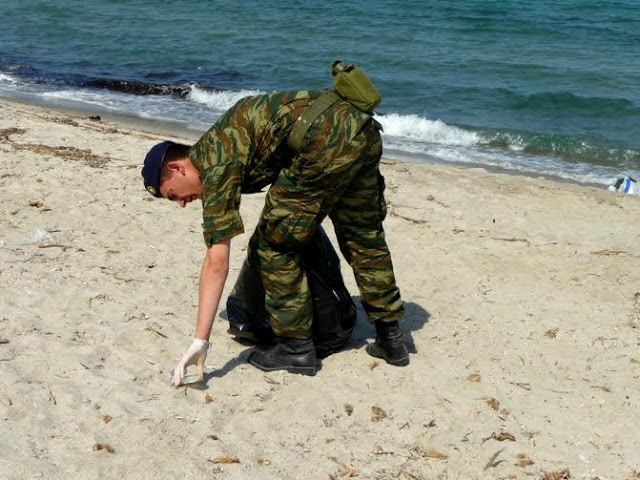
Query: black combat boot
{"points": [[389, 344], [290, 354]]}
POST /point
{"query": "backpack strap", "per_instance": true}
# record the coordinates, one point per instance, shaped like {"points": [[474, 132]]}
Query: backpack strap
{"points": [[303, 123]]}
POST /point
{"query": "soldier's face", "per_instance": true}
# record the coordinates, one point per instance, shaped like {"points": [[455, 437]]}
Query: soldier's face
{"points": [[183, 185]]}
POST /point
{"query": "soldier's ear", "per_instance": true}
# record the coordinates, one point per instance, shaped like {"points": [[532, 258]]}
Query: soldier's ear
{"points": [[176, 167]]}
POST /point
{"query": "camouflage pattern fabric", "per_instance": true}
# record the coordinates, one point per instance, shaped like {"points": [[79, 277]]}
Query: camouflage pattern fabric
{"points": [[335, 174], [242, 153]]}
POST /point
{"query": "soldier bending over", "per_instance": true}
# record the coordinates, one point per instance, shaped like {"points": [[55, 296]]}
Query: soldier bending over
{"points": [[334, 173]]}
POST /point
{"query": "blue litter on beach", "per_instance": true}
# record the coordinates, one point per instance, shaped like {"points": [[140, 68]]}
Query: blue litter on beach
{"points": [[626, 185]]}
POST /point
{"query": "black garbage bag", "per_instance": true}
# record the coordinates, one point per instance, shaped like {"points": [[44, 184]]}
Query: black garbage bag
{"points": [[334, 315]]}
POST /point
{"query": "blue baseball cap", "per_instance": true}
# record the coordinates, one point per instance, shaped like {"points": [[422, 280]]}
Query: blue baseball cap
{"points": [[153, 166]]}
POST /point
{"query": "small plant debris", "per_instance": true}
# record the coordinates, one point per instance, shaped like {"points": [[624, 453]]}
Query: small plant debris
{"points": [[271, 380], [207, 399], [412, 220], [378, 414], [344, 470], [608, 253], [66, 121], [263, 462], [102, 446], [524, 461], [417, 451], [475, 378], [151, 328], [106, 418], [603, 388], [223, 460], [559, 475], [502, 436], [66, 153], [433, 453], [492, 402], [523, 240], [7, 132], [492, 460], [551, 333]]}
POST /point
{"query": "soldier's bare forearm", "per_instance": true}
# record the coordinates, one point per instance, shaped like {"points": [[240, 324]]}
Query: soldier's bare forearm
{"points": [[213, 275]]}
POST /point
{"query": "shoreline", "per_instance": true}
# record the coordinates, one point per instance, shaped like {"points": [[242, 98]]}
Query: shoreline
{"points": [[492, 169], [156, 127], [522, 313], [176, 129]]}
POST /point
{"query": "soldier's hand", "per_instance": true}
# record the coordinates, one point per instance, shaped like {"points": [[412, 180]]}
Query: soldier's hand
{"points": [[195, 355]]}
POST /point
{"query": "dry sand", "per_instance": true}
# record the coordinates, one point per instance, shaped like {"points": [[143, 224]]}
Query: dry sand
{"points": [[523, 305]]}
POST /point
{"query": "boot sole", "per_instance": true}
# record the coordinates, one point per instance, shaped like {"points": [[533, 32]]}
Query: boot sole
{"points": [[376, 351], [240, 334]]}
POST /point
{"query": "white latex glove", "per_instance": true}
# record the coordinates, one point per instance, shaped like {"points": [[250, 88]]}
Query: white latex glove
{"points": [[195, 355]]}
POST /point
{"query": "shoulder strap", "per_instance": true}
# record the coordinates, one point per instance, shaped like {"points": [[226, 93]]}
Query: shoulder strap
{"points": [[302, 124]]}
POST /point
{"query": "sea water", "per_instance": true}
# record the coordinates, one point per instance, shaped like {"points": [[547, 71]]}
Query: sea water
{"points": [[546, 87]]}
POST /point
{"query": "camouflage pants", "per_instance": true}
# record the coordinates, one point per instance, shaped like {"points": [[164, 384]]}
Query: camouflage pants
{"points": [[337, 176]]}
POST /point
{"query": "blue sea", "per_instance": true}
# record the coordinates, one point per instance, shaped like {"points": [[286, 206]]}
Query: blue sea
{"points": [[542, 88]]}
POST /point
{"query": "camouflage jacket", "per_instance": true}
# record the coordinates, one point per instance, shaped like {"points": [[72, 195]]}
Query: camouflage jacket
{"points": [[247, 147], [242, 153]]}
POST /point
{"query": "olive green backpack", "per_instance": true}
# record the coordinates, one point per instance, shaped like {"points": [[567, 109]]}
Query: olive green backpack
{"points": [[349, 83]]}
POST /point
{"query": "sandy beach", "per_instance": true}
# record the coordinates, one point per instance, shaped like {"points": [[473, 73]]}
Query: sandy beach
{"points": [[523, 314]]}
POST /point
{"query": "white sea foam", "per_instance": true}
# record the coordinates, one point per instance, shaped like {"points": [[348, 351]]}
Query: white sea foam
{"points": [[532, 165], [218, 101], [425, 130], [89, 97], [153, 107], [7, 79]]}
